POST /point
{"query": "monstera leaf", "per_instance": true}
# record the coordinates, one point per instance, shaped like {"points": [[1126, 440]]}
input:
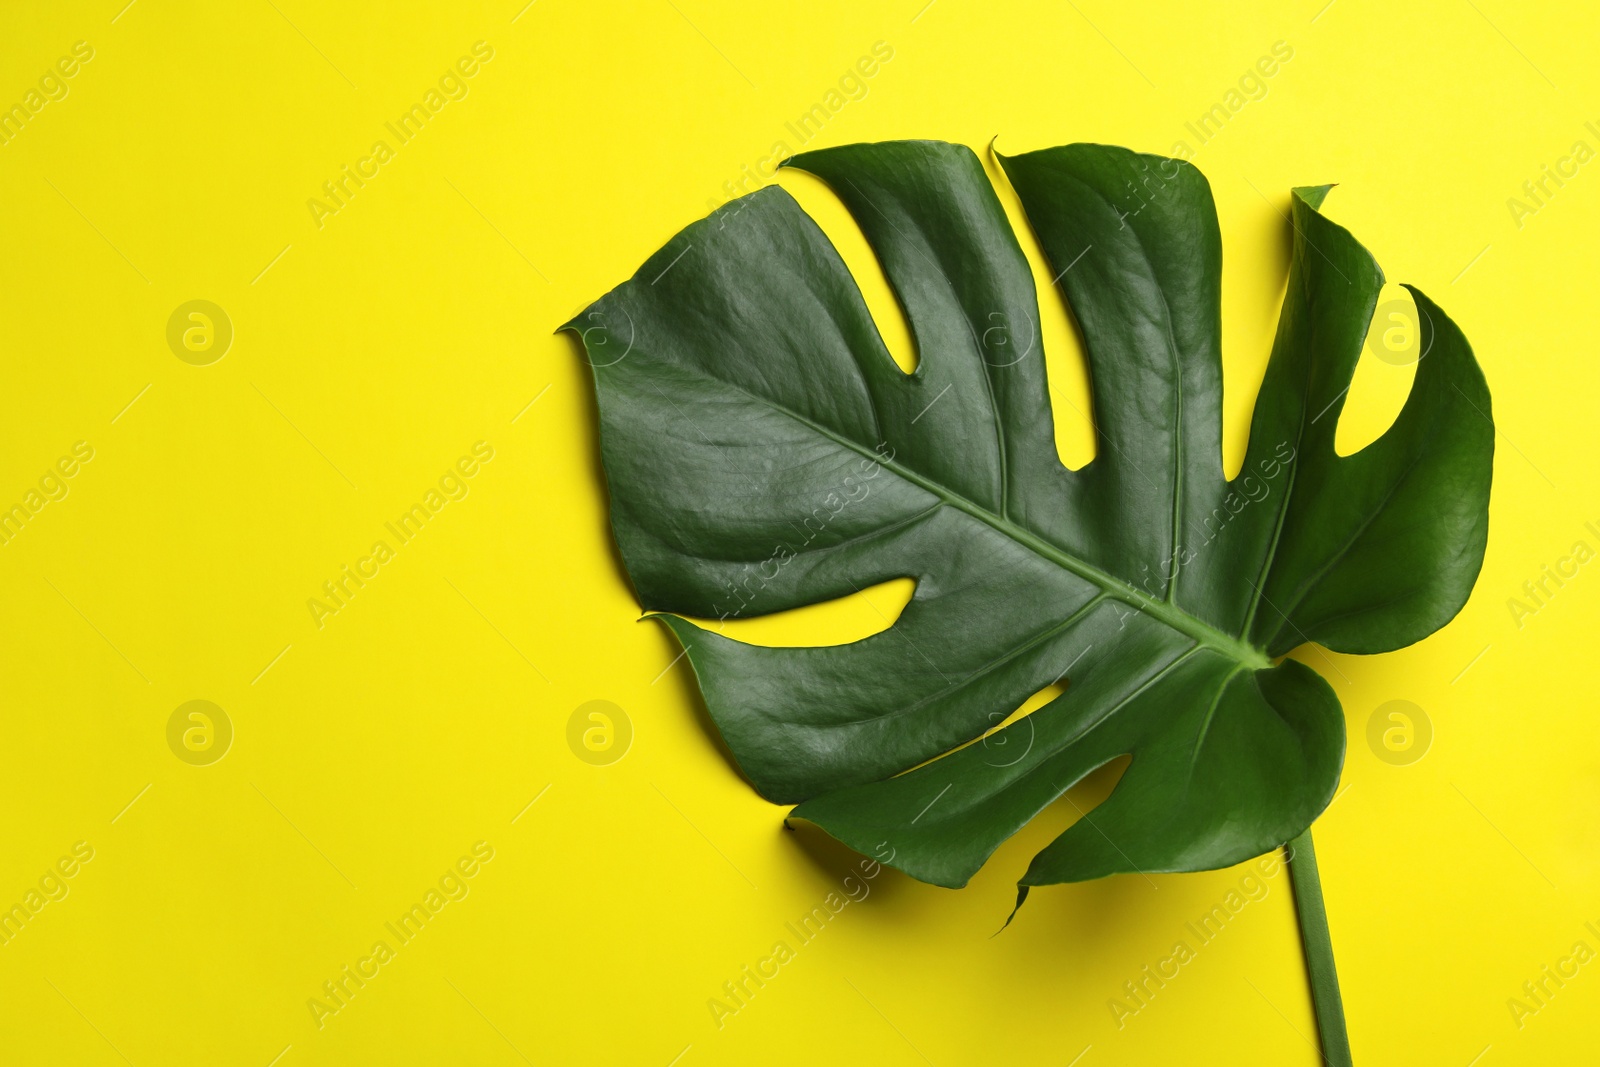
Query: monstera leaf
{"points": [[764, 451]]}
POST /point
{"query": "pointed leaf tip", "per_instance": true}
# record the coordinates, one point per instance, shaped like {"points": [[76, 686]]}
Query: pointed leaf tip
{"points": [[1314, 195], [1022, 894]]}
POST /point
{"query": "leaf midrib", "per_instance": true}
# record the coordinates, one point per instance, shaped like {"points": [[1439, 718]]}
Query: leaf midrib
{"points": [[1224, 644]]}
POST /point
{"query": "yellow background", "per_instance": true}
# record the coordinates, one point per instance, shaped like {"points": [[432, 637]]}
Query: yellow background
{"points": [[370, 353]]}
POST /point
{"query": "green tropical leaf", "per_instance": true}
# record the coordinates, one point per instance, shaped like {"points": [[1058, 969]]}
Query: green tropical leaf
{"points": [[763, 452]]}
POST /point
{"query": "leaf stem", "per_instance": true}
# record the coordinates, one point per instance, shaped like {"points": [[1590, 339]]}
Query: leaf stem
{"points": [[1318, 948]]}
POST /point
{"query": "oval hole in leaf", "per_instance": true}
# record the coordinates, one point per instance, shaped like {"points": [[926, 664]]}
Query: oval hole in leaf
{"points": [[1066, 368], [1384, 374], [1093, 790], [1022, 739], [835, 220], [1031, 705], [1090, 792], [1058, 817], [832, 622]]}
